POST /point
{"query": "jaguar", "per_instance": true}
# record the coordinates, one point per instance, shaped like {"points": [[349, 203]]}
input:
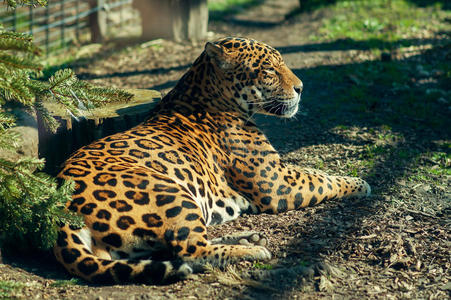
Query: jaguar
{"points": [[148, 194]]}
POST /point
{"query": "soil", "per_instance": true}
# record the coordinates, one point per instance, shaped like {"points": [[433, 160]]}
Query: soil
{"points": [[392, 245]]}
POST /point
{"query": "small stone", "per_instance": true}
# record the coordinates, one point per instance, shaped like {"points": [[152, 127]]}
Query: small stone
{"points": [[446, 286], [418, 265], [244, 242], [426, 188], [254, 238]]}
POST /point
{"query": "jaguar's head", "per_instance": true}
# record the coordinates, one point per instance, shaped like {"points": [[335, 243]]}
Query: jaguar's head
{"points": [[259, 81]]}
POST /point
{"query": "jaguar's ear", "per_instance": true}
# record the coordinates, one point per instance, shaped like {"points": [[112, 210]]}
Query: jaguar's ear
{"points": [[213, 50], [218, 55]]}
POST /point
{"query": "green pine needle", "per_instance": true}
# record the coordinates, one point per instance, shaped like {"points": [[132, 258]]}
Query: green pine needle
{"points": [[19, 62], [32, 205], [18, 42]]}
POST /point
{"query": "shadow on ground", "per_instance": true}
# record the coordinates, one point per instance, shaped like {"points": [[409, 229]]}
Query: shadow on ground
{"points": [[396, 94], [88, 76]]}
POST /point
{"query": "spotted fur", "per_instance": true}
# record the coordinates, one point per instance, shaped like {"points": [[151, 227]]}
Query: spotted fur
{"points": [[148, 194]]}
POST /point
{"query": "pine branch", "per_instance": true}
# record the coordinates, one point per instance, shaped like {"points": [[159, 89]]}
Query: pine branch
{"points": [[49, 121], [18, 42], [8, 140], [31, 203], [21, 166], [15, 87], [106, 94], [62, 78], [6, 120], [75, 95], [19, 63]]}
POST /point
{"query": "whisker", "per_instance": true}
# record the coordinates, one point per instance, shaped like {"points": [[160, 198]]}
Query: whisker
{"points": [[260, 102], [253, 114]]}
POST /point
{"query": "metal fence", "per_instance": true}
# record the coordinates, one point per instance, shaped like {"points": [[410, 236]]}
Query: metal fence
{"points": [[65, 22]]}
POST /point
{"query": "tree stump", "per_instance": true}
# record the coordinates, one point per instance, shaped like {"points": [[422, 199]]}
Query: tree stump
{"points": [[97, 123], [173, 19], [97, 21], [26, 127]]}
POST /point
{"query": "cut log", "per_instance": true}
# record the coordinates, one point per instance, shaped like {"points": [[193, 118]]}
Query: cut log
{"points": [[97, 123], [27, 129], [173, 19], [36, 141]]}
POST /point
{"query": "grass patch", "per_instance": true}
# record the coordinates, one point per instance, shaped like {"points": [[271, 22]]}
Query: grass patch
{"points": [[260, 266], [304, 263], [372, 151], [319, 164], [353, 170], [442, 163], [218, 9], [381, 22], [65, 283], [8, 288], [419, 177]]}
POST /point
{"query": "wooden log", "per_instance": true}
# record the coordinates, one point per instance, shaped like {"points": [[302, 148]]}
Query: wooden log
{"points": [[36, 141], [97, 123], [173, 19], [26, 129]]}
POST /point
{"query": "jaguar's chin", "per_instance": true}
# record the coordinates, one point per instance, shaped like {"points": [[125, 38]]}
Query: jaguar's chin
{"points": [[282, 108], [291, 112]]}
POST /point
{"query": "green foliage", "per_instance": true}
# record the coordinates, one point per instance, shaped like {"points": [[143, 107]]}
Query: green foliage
{"points": [[32, 203], [8, 287]]}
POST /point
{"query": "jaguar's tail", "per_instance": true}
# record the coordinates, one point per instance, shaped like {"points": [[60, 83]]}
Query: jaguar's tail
{"points": [[75, 251]]}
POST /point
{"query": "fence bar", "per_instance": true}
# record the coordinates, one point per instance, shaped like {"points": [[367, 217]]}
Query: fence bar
{"points": [[47, 31], [61, 21], [54, 36], [62, 24], [77, 11], [121, 16], [30, 10], [14, 20]]}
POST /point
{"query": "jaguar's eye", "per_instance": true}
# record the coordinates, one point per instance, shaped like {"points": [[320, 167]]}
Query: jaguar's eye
{"points": [[268, 72]]}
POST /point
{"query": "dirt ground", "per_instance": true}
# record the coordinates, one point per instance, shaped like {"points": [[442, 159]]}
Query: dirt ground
{"points": [[393, 245]]}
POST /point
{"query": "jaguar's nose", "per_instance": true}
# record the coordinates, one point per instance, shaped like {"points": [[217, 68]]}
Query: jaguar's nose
{"points": [[298, 88]]}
